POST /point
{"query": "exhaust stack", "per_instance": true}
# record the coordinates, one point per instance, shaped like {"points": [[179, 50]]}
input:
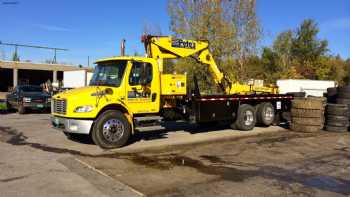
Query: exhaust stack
{"points": [[122, 48]]}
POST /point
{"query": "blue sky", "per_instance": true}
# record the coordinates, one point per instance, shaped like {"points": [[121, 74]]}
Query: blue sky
{"points": [[95, 28]]}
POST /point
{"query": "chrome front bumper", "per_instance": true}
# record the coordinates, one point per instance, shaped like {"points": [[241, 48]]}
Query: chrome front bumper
{"points": [[72, 125]]}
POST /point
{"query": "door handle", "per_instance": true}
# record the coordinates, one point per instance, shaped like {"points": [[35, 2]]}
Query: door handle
{"points": [[154, 96]]}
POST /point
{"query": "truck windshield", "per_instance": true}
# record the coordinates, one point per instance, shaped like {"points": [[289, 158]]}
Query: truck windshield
{"points": [[108, 73]]}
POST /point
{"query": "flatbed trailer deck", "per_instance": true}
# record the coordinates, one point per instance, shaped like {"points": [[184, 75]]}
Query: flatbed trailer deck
{"points": [[224, 107]]}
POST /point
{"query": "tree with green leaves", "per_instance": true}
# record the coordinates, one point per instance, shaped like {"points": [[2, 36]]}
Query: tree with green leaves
{"points": [[230, 26], [282, 46], [297, 54], [307, 48]]}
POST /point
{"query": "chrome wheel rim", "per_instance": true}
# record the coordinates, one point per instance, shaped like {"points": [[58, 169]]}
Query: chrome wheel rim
{"points": [[248, 118], [113, 130], [269, 114]]}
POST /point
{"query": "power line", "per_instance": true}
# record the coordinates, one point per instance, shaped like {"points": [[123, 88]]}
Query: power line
{"points": [[35, 46]]}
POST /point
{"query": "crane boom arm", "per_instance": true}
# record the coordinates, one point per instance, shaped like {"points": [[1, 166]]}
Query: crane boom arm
{"points": [[165, 47]]}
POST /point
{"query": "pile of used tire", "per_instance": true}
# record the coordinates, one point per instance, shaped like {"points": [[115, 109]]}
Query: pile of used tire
{"points": [[331, 95], [337, 117], [343, 95], [338, 109], [307, 114]]}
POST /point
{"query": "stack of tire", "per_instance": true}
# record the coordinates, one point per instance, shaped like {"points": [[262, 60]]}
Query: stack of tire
{"points": [[307, 114], [343, 95], [338, 114], [337, 117], [332, 94]]}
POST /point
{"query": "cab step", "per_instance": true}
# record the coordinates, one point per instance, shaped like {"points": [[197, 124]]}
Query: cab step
{"points": [[147, 121]]}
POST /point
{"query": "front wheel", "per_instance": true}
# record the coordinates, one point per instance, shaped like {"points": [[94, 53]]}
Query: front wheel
{"points": [[111, 130]]}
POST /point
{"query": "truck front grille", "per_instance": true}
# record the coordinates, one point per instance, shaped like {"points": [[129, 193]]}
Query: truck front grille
{"points": [[59, 106]]}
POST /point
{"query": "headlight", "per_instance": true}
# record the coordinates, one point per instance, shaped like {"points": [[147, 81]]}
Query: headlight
{"points": [[82, 109], [26, 99]]}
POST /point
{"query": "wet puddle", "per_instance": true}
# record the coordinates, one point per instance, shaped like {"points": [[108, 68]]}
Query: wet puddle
{"points": [[206, 164], [281, 139], [329, 183]]}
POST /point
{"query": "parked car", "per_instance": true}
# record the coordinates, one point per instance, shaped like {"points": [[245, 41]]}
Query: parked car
{"points": [[25, 97]]}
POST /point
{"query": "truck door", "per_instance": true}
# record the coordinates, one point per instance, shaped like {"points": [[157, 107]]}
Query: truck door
{"points": [[142, 88]]}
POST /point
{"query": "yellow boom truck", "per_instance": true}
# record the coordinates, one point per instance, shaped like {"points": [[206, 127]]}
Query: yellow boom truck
{"points": [[129, 92]]}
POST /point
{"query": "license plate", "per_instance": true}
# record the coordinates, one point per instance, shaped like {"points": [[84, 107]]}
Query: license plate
{"points": [[40, 105]]}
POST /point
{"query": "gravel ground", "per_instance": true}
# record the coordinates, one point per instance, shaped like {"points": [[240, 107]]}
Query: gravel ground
{"points": [[36, 160]]}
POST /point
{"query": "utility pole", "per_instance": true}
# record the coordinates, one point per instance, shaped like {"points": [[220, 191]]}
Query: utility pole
{"points": [[55, 57]]}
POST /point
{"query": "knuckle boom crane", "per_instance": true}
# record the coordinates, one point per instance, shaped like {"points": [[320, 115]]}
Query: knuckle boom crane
{"points": [[126, 92]]}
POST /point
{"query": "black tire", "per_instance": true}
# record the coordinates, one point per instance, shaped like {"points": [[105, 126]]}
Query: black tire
{"points": [[345, 95], [297, 94], [332, 91], [336, 129], [265, 114], [344, 89], [337, 109], [337, 118], [305, 128], [338, 124], [331, 95], [21, 109], [308, 121], [307, 113], [343, 101], [246, 118], [308, 103], [114, 123]]}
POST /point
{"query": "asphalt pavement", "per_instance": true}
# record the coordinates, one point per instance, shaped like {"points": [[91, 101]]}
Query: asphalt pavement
{"points": [[176, 159]]}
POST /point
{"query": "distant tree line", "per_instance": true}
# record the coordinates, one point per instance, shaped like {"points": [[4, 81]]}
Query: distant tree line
{"points": [[233, 31]]}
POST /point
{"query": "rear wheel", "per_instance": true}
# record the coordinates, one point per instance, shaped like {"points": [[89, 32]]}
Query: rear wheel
{"points": [[265, 114], [111, 130], [246, 118]]}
